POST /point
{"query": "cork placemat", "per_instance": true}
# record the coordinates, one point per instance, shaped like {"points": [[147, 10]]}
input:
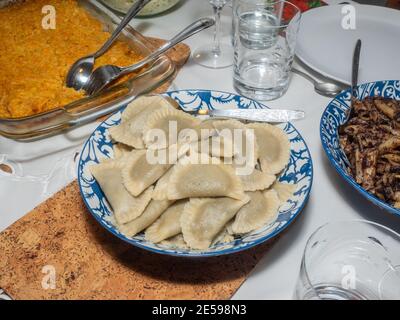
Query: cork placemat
{"points": [[58, 251], [61, 239]]}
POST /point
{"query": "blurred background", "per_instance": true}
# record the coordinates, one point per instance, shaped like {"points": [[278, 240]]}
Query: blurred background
{"points": [[388, 3]]}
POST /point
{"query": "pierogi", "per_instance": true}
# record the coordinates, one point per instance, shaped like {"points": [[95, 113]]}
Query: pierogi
{"points": [[199, 197]]}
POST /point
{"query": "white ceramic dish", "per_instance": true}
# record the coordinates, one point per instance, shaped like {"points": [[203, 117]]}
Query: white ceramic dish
{"points": [[326, 47], [153, 8]]}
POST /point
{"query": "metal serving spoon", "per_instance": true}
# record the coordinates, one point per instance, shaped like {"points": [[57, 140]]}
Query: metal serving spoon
{"points": [[79, 73], [104, 75], [354, 76], [327, 89]]}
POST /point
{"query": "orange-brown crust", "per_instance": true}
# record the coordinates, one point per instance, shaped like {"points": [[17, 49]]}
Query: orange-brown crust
{"points": [[34, 61]]}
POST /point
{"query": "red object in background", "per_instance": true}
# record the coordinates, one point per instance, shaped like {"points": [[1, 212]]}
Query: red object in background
{"points": [[394, 4], [303, 5]]}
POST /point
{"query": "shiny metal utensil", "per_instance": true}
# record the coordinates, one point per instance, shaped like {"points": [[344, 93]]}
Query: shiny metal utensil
{"points": [[104, 75], [259, 115], [79, 74], [327, 89], [354, 76]]}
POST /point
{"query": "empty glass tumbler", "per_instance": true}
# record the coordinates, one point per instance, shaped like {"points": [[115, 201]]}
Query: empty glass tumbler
{"points": [[350, 260], [265, 35]]}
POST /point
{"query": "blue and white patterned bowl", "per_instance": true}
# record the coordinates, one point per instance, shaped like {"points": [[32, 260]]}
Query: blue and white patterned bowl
{"points": [[335, 115], [299, 171]]}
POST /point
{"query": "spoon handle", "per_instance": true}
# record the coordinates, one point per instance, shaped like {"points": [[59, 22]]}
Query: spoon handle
{"points": [[355, 68], [192, 29], [304, 75], [133, 11], [354, 77]]}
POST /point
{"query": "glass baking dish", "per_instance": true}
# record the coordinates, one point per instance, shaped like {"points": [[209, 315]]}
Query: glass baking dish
{"points": [[91, 108]]}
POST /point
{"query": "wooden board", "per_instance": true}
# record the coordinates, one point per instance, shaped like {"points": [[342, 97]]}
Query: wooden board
{"points": [[60, 235]]}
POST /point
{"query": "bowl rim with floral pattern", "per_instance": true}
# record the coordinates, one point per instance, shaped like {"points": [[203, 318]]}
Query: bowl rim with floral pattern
{"points": [[335, 114]]}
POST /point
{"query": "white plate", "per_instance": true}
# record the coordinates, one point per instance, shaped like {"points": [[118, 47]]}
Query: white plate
{"points": [[325, 46]]}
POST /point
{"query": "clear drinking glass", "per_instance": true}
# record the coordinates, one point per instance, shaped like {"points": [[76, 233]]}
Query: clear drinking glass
{"points": [[216, 55], [350, 260], [264, 40]]}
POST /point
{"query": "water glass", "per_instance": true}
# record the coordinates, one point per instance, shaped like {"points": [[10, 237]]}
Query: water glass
{"points": [[350, 260], [265, 35]]}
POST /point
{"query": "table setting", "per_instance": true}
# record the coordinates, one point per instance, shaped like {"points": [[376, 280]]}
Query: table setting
{"points": [[254, 139]]}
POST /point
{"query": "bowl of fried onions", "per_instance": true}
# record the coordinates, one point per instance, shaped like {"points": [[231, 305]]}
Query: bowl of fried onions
{"points": [[365, 149]]}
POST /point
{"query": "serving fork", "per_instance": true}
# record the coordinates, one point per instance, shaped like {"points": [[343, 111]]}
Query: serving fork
{"points": [[104, 75]]}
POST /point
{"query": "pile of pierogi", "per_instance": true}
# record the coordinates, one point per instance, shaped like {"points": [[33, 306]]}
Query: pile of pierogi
{"points": [[190, 182]]}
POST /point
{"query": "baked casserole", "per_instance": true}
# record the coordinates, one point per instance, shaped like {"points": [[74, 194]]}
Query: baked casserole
{"points": [[34, 61]]}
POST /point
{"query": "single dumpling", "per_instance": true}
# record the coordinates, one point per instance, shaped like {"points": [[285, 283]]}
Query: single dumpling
{"points": [[261, 210], [139, 173], [203, 219], [161, 188], [168, 225], [214, 146], [134, 118], [167, 127], [257, 180], [245, 147], [204, 180], [152, 212], [284, 190], [219, 125], [126, 207], [142, 103], [274, 147]]}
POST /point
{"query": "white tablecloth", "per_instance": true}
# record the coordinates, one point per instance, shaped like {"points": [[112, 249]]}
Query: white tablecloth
{"points": [[331, 199]]}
